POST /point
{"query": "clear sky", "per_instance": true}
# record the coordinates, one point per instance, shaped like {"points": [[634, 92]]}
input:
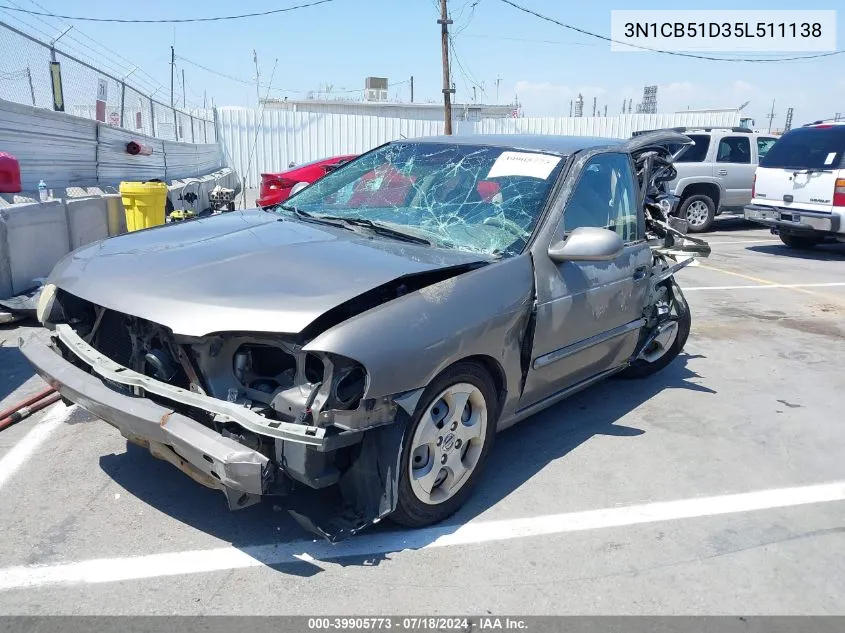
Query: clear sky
{"points": [[342, 42]]}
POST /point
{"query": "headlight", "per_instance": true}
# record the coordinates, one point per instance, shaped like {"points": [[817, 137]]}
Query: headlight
{"points": [[45, 302], [349, 388]]}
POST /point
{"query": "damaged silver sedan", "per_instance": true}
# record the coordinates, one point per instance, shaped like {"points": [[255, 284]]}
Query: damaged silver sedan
{"points": [[355, 350]]}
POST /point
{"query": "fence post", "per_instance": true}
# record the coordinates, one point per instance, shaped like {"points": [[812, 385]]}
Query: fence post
{"points": [[205, 129], [216, 126], [192, 128], [31, 89], [175, 125], [122, 101], [152, 118]]}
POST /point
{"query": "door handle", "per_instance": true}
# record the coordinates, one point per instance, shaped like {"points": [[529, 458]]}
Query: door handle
{"points": [[640, 272], [723, 172]]}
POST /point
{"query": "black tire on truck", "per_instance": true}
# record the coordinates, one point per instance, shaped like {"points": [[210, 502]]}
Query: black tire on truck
{"points": [[801, 242], [699, 211]]}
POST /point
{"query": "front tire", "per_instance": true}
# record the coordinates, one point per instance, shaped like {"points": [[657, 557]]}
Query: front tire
{"points": [[801, 242], [446, 446], [699, 211]]}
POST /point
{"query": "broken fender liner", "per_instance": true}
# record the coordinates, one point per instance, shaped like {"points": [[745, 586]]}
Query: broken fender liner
{"points": [[367, 491]]}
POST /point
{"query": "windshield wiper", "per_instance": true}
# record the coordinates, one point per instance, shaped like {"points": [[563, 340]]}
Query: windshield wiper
{"points": [[379, 228], [308, 217]]}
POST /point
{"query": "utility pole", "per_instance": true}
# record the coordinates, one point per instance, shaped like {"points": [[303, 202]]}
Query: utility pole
{"points": [[444, 23], [498, 81], [412, 88], [257, 83], [204, 99], [184, 105], [605, 110], [172, 70], [771, 115], [474, 97]]}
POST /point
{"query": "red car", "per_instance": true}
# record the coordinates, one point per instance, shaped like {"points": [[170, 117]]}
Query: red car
{"points": [[276, 188]]}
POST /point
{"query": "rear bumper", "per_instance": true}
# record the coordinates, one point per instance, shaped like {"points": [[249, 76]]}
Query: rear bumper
{"points": [[206, 456], [794, 220], [276, 197]]}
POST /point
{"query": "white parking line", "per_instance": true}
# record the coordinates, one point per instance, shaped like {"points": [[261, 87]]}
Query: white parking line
{"points": [[766, 286], [229, 558], [743, 242], [20, 452]]}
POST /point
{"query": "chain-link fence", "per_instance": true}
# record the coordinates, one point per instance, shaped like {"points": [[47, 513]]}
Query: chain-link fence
{"points": [[33, 73]]}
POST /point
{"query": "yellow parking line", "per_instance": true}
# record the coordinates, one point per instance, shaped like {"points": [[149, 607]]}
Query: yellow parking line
{"points": [[768, 282]]}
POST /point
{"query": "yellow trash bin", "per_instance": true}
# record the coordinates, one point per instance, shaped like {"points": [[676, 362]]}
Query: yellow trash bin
{"points": [[144, 203]]}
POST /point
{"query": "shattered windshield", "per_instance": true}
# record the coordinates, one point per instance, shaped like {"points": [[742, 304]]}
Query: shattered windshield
{"points": [[468, 197]]}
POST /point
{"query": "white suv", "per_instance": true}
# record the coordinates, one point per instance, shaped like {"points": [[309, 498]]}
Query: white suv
{"points": [[799, 186]]}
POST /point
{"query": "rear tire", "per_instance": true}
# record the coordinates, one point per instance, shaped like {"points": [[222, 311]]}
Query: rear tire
{"points": [[801, 242], [641, 368], [699, 211]]}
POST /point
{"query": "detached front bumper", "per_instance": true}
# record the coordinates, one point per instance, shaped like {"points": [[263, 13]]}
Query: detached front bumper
{"points": [[206, 456], [793, 220]]}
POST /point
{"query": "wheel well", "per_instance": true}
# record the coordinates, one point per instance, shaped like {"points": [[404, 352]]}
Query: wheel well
{"points": [[703, 189], [497, 374]]}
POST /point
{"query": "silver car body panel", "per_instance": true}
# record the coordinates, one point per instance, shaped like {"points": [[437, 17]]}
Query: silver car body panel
{"points": [[253, 271]]}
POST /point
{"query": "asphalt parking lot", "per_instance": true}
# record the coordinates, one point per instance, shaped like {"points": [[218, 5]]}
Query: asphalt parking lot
{"points": [[714, 487]]}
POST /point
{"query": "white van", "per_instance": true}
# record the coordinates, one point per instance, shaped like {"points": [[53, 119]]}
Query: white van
{"points": [[799, 185]]}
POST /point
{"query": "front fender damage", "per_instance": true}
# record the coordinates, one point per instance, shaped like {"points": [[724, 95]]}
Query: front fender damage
{"points": [[365, 493]]}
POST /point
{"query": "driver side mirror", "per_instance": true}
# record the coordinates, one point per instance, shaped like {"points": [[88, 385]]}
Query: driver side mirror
{"points": [[588, 244]]}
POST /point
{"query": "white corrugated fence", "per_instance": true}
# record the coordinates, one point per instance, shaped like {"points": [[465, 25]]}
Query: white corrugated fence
{"points": [[254, 145]]}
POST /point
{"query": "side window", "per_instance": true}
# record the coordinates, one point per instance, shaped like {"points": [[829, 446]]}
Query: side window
{"points": [[734, 149], [764, 145], [697, 152], [605, 197]]}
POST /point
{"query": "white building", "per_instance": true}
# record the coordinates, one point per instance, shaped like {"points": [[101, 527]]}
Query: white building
{"points": [[415, 111]]}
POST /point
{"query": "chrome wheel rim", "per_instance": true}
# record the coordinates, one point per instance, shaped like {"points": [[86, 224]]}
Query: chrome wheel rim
{"points": [[697, 213], [447, 443]]}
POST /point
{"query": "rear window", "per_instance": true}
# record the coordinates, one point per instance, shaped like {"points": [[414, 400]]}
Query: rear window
{"points": [[697, 152], [808, 148]]}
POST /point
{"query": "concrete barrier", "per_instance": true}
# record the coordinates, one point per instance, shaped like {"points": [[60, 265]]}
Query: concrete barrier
{"points": [[33, 238], [115, 214], [87, 221]]}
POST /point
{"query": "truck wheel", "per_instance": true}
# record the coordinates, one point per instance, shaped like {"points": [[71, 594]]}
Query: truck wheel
{"points": [[446, 445], [699, 211], [802, 242]]}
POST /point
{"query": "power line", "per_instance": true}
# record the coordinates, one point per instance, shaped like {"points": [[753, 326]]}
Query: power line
{"points": [[263, 85], [174, 20], [665, 52]]}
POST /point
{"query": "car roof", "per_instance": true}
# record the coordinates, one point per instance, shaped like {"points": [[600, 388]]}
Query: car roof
{"points": [[548, 143]]}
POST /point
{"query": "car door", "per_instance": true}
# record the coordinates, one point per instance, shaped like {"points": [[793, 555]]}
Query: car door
{"points": [[588, 312], [735, 169]]}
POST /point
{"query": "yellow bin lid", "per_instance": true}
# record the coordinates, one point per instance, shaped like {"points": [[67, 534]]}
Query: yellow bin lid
{"points": [[141, 188]]}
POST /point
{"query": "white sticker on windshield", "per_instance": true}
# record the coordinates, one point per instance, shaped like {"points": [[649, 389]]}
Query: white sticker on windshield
{"points": [[524, 164], [829, 159]]}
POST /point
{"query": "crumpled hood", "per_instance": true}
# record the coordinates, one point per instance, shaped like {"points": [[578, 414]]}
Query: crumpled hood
{"points": [[240, 271]]}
